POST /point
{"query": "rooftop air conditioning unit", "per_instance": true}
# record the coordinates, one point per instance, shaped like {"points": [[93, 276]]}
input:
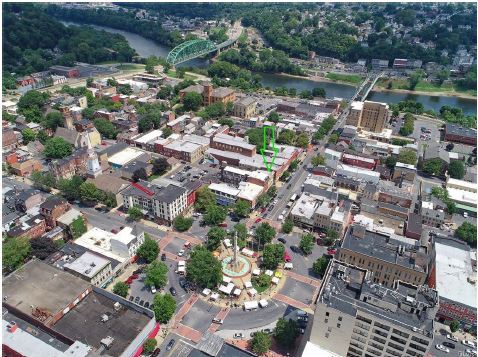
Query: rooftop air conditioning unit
{"points": [[104, 318]]}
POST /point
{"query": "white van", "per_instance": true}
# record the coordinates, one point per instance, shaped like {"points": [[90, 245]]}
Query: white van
{"points": [[263, 303]]}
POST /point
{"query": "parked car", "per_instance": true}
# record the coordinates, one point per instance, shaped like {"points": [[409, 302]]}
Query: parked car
{"points": [[238, 335], [470, 352], [163, 257], [442, 348], [218, 321], [302, 313], [451, 337], [468, 343], [136, 299], [170, 344], [303, 318], [156, 352], [295, 249], [141, 302], [146, 304], [267, 330], [301, 330], [223, 225], [181, 252], [258, 220], [282, 240], [114, 231], [449, 344], [331, 251], [153, 289], [131, 298], [172, 290]]}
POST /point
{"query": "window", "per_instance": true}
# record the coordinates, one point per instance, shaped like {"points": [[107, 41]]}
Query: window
{"points": [[338, 325], [340, 318], [326, 335], [326, 320], [326, 313]]}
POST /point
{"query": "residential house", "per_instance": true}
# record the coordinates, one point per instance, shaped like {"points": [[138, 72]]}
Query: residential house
{"points": [[28, 199], [29, 226], [111, 184], [26, 168], [53, 208]]}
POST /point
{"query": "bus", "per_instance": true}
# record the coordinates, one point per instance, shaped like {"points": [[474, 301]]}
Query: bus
{"points": [[294, 197]]}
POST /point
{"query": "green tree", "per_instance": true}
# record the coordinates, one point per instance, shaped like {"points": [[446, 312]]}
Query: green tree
{"points": [[263, 281], [149, 345], [265, 233], [43, 180], [261, 342], [454, 326], [273, 255], [407, 156], [433, 167], [149, 250], [53, 120], [106, 128], [14, 252], [456, 169], [192, 101], [320, 266], [78, 227], [164, 307], [28, 135], [286, 332], [214, 238], [182, 223], [226, 121], [42, 136], [330, 237], [415, 78], [307, 243], [242, 208], [134, 213], [442, 76], [160, 166], [302, 141], [390, 162], [203, 268], [333, 138], [57, 148], [140, 174], [319, 92], [293, 165], [263, 200], [241, 230], [69, 187], [121, 289], [287, 226], [204, 198], [214, 215], [89, 192], [318, 160], [467, 232], [287, 137], [274, 117], [156, 274], [440, 193]]}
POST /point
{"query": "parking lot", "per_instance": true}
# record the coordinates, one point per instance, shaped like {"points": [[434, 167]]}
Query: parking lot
{"points": [[298, 290], [202, 170], [418, 135], [200, 316]]}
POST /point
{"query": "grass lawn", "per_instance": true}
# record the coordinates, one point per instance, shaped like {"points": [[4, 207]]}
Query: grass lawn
{"points": [[349, 78], [172, 74], [131, 66], [423, 86], [152, 177]]}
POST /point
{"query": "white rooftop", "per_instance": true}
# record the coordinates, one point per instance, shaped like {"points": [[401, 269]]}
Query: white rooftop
{"points": [[305, 206], [123, 157], [356, 105], [464, 184], [462, 196], [69, 216], [88, 264], [406, 166], [453, 267], [225, 188], [249, 191], [99, 241], [152, 135], [313, 350]]}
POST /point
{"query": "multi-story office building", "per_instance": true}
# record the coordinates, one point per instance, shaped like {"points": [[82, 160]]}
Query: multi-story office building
{"points": [[164, 204], [388, 257], [371, 116], [357, 317]]}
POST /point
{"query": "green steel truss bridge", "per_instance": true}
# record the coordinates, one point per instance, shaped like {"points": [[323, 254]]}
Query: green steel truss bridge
{"points": [[195, 48]]}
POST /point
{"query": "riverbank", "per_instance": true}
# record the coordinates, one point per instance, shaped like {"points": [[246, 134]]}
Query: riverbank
{"points": [[314, 79], [430, 94]]}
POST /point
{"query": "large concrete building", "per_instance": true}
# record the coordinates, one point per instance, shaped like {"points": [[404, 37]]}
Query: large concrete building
{"points": [[245, 108], [209, 94], [387, 256], [357, 317], [371, 116]]}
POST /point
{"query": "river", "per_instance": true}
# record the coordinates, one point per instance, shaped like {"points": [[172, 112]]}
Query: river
{"points": [[145, 48]]}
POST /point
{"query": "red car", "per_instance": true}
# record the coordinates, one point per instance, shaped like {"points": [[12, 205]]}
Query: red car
{"points": [[331, 251], [129, 281], [263, 210], [287, 257], [258, 220], [223, 225], [114, 231], [134, 276]]}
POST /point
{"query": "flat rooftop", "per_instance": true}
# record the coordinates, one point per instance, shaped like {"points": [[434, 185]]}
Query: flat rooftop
{"points": [[84, 323], [88, 264], [233, 141], [152, 135], [349, 290], [453, 268], [123, 157], [383, 246], [42, 286]]}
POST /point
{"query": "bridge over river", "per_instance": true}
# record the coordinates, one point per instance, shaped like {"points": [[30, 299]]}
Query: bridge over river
{"points": [[196, 48]]}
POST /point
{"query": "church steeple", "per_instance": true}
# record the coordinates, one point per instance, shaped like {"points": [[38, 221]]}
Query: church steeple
{"points": [[93, 168]]}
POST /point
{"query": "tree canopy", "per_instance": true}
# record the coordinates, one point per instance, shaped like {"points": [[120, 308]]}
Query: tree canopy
{"points": [[265, 233], [467, 232], [121, 289], [14, 253], [149, 250], [286, 332], [273, 255], [214, 215], [156, 274], [214, 238], [164, 307], [203, 268], [261, 342], [182, 223], [57, 148]]}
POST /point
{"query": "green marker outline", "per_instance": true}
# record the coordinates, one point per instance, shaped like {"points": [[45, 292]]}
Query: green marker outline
{"points": [[264, 146]]}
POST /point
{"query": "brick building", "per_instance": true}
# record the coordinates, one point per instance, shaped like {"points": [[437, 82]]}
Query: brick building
{"points": [[53, 208], [209, 94], [459, 134]]}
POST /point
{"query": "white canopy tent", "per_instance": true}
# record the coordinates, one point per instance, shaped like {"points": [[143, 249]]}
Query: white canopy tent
{"points": [[248, 285], [226, 289], [269, 272], [214, 296], [237, 292], [252, 292], [256, 272], [275, 280], [206, 292]]}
